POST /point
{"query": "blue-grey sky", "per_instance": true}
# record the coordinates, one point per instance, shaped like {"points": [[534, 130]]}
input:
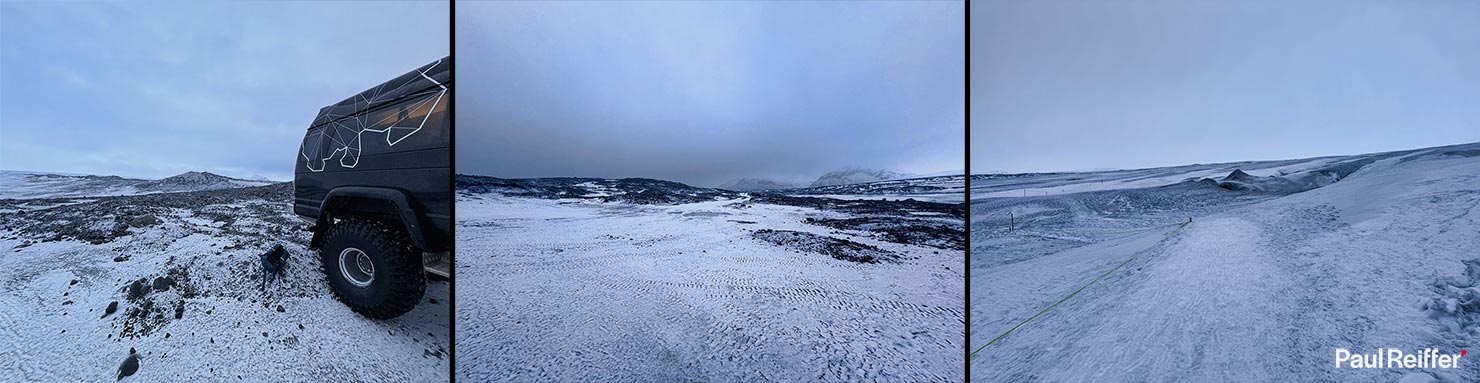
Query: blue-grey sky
{"points": [[1075, 85], [704, 92], [153, 89]]}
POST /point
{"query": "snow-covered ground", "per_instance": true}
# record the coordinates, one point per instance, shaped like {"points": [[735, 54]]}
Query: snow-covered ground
{"points": [[1275, 272], [733, 288], [942, 188], [198, 313]]}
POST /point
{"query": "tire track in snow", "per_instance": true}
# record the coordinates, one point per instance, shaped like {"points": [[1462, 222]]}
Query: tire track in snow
{"points": [[710, 304], [1152, 322], [836, 299], [1202, 308]]}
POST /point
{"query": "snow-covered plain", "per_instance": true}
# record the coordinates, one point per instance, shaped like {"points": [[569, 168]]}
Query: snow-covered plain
{"points": [[199, 313], [1278, 269], [728, 288]]}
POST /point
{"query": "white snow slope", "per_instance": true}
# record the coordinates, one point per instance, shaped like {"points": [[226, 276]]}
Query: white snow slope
{"points": [[1047, 184], [585, 291], [63, 263], [1259, 287]]}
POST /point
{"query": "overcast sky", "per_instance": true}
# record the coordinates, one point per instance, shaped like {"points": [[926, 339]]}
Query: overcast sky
{"points": [[703, 92], [153, 89], [1076, 85]]}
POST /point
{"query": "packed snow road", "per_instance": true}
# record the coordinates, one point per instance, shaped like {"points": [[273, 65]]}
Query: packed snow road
{"points": [[1262, 286], [177, 278], [723, 290]]}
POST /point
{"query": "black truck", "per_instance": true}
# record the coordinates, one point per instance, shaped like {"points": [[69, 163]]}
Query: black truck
{"points": [[373, 178]]}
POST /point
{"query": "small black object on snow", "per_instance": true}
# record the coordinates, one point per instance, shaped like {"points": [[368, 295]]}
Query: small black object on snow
{"points": [[274, 263], [112, 307], [130, 364]]}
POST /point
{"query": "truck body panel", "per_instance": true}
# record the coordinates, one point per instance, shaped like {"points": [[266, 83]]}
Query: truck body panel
{"points": [[396, 136]]}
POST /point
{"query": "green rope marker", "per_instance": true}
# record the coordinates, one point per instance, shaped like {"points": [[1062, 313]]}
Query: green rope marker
{"points": [[1076, 292]]}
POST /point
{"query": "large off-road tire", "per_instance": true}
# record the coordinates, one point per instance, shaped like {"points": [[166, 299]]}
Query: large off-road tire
{"points": [[372, 268]]}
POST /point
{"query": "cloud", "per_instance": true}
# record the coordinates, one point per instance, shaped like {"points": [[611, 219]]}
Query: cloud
{"points": [[70, 77], [1081, 85], [154, 89], [706, 92]]}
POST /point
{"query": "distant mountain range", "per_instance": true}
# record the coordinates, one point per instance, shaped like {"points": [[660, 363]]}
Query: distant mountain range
{"points": [[22, 185], [751, 184], [943, 188], [834, 178], [857, 176], [631, 190]]}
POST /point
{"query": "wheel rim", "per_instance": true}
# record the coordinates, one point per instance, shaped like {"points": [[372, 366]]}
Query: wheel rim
{"points": [[356, 267]]}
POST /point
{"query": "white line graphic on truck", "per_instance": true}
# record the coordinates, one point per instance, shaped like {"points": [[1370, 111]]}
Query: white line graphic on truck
{"points": [[351, 147]]}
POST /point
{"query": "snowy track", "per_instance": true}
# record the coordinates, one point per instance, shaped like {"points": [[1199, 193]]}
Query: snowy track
{"points": [[1259, 288]]}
